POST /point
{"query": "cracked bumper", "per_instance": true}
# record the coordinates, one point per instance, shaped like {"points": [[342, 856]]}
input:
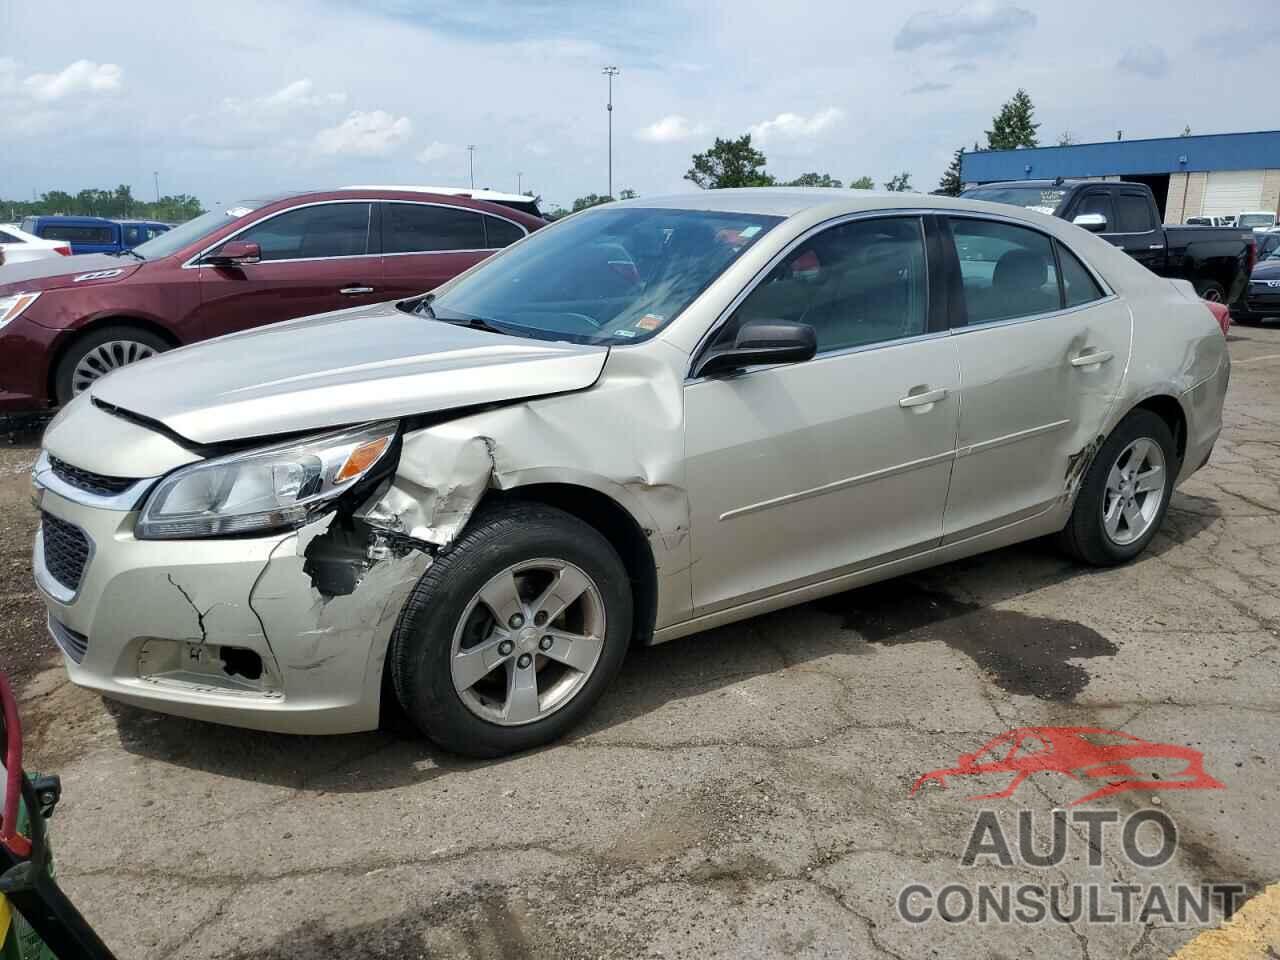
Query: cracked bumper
{"points": [[157, 616]]}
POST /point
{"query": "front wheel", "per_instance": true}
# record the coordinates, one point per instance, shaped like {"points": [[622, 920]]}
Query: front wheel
{"points": [[512, 635], [98, 353], [1125, 493]]}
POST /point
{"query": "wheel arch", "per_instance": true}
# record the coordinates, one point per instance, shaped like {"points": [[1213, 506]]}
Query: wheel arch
{"points": [[1169, 409], [617, 524], [94, 325]]}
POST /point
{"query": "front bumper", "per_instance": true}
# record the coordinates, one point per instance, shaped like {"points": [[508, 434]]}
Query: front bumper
{"points": [[180, 626], [26, 351]]}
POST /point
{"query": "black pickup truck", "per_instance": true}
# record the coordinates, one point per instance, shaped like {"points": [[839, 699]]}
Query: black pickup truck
{"points": [[1217, 260]]}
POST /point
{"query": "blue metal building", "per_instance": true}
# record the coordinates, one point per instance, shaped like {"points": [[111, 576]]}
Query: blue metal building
{"points": [[1213, 175]]}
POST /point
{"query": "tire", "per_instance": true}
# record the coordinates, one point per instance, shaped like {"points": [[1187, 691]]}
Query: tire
{"points": [[1086, 535], [101, 351], [446, 621], [1211, 290]]}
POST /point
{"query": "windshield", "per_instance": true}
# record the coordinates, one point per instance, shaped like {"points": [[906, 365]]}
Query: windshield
{"points": [[1040, 199], [1256, 220], [171, 241], [607, 276]]}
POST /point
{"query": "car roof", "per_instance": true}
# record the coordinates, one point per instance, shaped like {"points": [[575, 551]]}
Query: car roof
{"points": [[494, 196], [790, 201], [70, 218]]}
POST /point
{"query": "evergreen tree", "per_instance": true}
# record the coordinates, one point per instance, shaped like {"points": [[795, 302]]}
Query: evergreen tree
{"points": [[951, 184], [1014, 126]]}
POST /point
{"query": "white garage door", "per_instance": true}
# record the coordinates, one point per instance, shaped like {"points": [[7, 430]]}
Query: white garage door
{"points": [[1232, 192]]}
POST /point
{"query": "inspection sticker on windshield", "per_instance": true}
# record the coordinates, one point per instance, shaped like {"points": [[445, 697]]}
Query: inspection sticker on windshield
{"points": [[650, 321], [746, 232]]}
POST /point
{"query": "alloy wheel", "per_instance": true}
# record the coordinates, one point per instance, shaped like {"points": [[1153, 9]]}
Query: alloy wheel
{"points": [[1134, 491], [104, 358], [528, 641]]}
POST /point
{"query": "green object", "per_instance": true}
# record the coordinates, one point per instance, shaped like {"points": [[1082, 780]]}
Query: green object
{"points": [[19, 941]]}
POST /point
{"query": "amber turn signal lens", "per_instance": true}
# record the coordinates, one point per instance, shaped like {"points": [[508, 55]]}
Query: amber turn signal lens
{"points": [[361, 459]]}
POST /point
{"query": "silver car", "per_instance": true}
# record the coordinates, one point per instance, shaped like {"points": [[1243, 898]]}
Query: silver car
{"points": [[649, 419]]}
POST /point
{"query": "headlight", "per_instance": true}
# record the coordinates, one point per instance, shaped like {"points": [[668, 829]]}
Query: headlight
{"points": [[267, 489], [12, 306]]}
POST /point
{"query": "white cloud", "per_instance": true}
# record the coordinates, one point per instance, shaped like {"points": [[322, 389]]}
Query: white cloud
{"points": [[375, 133], [83, 76], [670, 129], [929, 86], [794, 126], [1147, 61], [988, 23], [299, 94], [436, 151]]}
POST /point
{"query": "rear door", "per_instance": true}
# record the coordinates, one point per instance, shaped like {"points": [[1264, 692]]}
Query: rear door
{"points": [[315, 258], [83, 237], [1043, 349], [425, 244]]}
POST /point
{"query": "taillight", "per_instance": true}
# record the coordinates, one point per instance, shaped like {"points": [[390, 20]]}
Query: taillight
{"points": [[64, 250], [1220, 313]]}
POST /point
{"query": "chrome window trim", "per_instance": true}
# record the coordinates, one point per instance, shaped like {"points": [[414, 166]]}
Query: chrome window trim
{"points": [[42, 476], [193, 262], [1010, 321], [727, 312]]}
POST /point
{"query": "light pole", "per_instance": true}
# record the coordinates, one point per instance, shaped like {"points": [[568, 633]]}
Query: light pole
{"points": [[156, 174], [519, 182], [471, 152], [610, 72]]}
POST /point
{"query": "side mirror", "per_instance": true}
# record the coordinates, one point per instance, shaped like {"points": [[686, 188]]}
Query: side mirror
{"points": [[1093, 222], [761, 341], [234, 252]]}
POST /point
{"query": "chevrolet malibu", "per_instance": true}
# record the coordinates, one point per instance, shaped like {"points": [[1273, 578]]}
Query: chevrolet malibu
{"points": [[649, 419]]}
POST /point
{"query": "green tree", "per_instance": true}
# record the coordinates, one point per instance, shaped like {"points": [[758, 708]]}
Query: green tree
{"points": [[118, 203], [627, 194], [729, 163], [951, 184], [899, 183], [1066, 138], [814, 180], [862, 183], [1014, 125], [590, 200]]}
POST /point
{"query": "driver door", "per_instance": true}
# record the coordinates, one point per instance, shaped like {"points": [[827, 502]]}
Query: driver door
{"points": [[798, 473]]}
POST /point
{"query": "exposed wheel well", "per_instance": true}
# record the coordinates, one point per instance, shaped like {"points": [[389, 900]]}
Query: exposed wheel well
{"points": [[622, 532], [113, 321], [1170, 411]]}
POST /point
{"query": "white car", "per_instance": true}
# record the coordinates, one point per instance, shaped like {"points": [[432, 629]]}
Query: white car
{"points": [[1256, 220], [18, 246]]}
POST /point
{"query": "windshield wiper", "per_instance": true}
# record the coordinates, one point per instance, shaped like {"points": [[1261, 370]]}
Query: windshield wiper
{"points": [[132, 253], [423, 308]]}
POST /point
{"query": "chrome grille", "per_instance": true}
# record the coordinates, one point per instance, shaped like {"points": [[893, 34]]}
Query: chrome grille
{"points": [[95, 483], [73, 644], [66, 550]]}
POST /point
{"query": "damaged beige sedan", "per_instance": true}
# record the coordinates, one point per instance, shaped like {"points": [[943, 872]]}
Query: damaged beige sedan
{"points": [[649, 419]]}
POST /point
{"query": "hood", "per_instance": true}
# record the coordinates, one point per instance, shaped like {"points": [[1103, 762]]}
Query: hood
{"points": [[357, 365], [52, 273], [1266, 270]]}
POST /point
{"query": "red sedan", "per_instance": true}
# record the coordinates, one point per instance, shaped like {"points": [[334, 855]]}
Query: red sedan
{"points": [[66, 322]]}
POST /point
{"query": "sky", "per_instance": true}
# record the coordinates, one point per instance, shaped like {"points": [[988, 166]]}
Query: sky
{"points": [[234, 100]]}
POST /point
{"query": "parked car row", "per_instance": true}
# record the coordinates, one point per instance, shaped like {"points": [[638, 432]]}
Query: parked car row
{"points": [[1251, 220], [94, 234], [472, 502], [66, 323]]}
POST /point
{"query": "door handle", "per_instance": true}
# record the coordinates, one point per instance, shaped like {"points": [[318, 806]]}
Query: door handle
{"points": [[926, 399], [355, 291], [1091, 358]]}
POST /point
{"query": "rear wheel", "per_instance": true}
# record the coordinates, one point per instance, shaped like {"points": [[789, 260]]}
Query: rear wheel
{"points": [[513, 634], [1125, 493], [1211, 290], [98, 353]]}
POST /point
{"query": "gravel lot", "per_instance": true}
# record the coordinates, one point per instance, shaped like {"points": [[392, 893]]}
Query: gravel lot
{"points": [[743, 793]]}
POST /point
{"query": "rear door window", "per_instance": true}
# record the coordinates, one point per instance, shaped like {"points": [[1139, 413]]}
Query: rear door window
{"points": [[423, 228], [1134, 214], [500, 233], [315, 232], [1007, 271], [70, 234], [1078, 285]]}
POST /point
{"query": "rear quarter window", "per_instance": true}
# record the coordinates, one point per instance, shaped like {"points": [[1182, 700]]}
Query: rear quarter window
{"points": [[56, 231]]}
